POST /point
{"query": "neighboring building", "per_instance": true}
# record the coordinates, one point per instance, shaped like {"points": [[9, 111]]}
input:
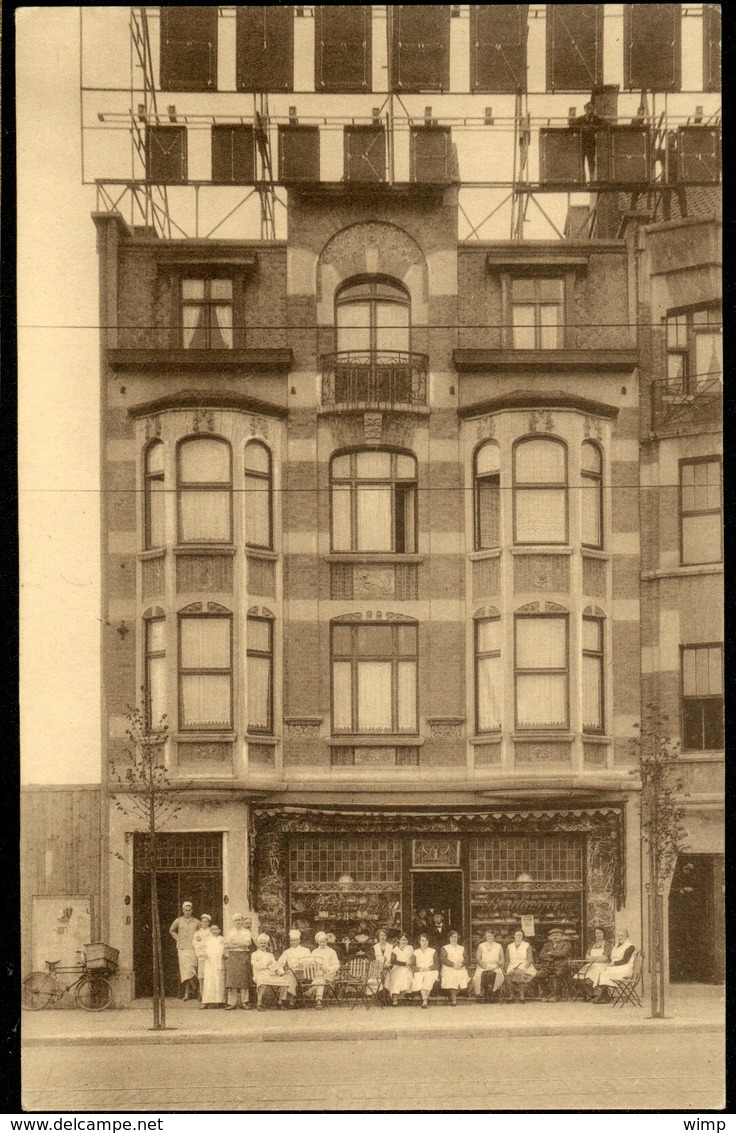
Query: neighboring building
{"points": [[401, 531]]}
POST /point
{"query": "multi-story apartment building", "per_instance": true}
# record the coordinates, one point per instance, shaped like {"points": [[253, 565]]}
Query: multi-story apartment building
{"points": [[402, 530]]}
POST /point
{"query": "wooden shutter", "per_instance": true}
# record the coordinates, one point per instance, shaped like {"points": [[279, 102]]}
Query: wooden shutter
{"points": [[298, 153], [342, 48], [699, 154], [652, 46], [166, 154], [498, 47], [431, 154], [188, 48], [265, 48], [626, 154], [365, 153], [233, 155], [574, 46], [560, 156], [420, 47], [711, 47]]}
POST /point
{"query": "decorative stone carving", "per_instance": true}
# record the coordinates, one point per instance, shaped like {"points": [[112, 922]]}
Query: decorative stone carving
{"points": [[594, 612], [192, 608], [152, 427], [436, 851], [530, 608], [592, 428], [304, 725], [369, 582], [446, 726], [205, 758], [260, 612], [487, 612], [375, 756], [204, 572], [541, 418], [203, 419], [375, 615], [485, 428], [542, 752], [541, 572], [373, 427], [554, 608], [154, 612], [594, 577], [216, 608], [259, 426]]}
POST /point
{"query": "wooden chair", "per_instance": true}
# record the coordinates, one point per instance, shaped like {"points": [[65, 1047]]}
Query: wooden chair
{"points": [[625, 991], [304, 974]]}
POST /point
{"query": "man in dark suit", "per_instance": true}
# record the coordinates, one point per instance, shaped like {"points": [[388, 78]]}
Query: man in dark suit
{"points": [[553, 966], [589, 124], [437, 932]]}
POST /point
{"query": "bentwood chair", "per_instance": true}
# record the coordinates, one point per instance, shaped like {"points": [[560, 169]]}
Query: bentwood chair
{"points": [[625, 991]]}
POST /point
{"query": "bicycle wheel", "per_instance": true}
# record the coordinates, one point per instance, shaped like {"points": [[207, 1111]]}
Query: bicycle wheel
{"points": [[94, 993], [37, 990]]}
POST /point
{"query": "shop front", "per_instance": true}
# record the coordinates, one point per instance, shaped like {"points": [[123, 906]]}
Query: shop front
{"points": [[352, 873]]}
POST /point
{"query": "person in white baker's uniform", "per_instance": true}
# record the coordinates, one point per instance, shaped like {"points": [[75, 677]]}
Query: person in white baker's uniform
{"points": [[328, 967], [199, 940], [292, 959], [183, 930], [213, 982], [488, 977]]}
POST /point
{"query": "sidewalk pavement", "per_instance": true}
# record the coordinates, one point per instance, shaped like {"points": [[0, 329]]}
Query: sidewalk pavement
{"points": [[694, 1008]]}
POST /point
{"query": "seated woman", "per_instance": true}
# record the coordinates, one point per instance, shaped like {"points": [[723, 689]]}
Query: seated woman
{"points": [[520, 969], [267, 972], [401, 975], [454, 972], [488, 977], [620, 968], [425, 969], [598, 958]]}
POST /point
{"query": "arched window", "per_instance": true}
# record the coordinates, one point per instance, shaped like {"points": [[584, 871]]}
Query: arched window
{"points": [[540, 491], [374, 502], [205, 483], [591, 495], [487, 674], [374, 677], [259, 650], [258, 496], [154, 496], [373, 317], [487, 480], [593, 674], [154, 676]]}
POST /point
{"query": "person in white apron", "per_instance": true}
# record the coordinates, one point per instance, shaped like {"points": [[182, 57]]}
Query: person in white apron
{"points": [[425, 969], [454, 970], [199, 940], [401, 976], [598, 958], [213, 979], [382, 950], [620, 968], [267, 972], [520, 969], [488, 977], [292, 959], [183, 930]]}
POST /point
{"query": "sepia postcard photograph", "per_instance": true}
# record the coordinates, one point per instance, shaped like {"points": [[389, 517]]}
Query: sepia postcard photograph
{"points": [[371, 561]]}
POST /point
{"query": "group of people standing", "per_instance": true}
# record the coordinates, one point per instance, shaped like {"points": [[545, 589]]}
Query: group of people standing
{"points": [[223, 970]]}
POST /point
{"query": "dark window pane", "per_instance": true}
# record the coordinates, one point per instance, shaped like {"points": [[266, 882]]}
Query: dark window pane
{"points": [[166, 154], [342, 47], [489, 513], [574, 46], [652, 46], [420, 55], [265, 52], [365, 153], [498, 34], [233, 154], [188, 48]]}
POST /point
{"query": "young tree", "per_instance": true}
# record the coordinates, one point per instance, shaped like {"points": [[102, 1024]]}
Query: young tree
{"points": [[146, 795], [663, 832]]}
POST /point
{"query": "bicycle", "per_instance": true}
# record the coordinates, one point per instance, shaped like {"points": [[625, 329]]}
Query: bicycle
{"points": [[92, 992]]}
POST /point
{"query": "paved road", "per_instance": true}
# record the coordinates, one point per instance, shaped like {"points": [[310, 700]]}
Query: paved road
{"points": [[643, 1072]]}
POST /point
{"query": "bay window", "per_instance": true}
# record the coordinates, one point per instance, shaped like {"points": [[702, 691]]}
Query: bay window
{"points": [[154, 491], [205, 672], [204, 496], [591, 495], [541, 669], [374, 678], [487, 496], [540, 491], [374, 502]]}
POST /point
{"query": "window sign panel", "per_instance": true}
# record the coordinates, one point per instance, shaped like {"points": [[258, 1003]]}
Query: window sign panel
{"points": [[188, 48], [166, 154], [574, 46], [342, 49], [498, 34], [265, 48], [652, 46], [233, 155], [420, 47], [711, 47]]}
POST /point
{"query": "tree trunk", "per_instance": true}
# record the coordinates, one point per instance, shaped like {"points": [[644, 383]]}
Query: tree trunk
{"points": [[155, 949], [660, 918]]}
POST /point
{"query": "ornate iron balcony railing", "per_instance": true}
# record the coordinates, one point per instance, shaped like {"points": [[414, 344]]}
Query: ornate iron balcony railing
{"points": [[697, 402], [374, 379]]}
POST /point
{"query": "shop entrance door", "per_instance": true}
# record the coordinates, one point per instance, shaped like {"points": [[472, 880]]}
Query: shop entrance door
{"points": [[696, 899], [435, 891], [190, 869]]}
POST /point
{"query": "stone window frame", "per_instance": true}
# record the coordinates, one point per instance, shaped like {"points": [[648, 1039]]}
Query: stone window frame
{"points": [[411, 535], [394, 657], [205, 614], [206, 486]]}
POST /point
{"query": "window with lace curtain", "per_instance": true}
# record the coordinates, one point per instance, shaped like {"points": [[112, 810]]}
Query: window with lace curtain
{"points": [[258, 496], [374, 678], [154, 675], [593, 718], [154, 491], [204, 491], [540, 491], [260, 674], [374, 502], [487, 675], [487, 496], [591, 495], [205, 672], [541, 669], [206, 313]]}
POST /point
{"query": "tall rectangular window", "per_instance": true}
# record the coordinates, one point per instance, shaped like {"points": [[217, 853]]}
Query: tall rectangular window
{"points": [[540, 491], [205, 673], [205, 491], [420, 47], [541, 671], [537, 313], [260, 675], [154, 496], [702, 697], [695, 348], [487, 499], [207, 314], [264, 47], [488, 674], [374, 678], [342, 48], [593, 675], [188, 47], [701, 522], [258, 496], [574, 46], [591, 495], [374, 502], [154, 683]]}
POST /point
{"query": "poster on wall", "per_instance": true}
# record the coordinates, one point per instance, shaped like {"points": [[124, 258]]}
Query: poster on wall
{"points": [[61, 927], [527, 924]]}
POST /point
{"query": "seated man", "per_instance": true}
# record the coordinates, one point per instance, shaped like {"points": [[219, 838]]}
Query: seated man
{"points": [[328, 967], [292, 960], [553, 964]]}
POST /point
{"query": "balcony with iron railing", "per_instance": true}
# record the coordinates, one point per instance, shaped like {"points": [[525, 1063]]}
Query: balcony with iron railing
{"points": [[679, 403], [374, 379]]}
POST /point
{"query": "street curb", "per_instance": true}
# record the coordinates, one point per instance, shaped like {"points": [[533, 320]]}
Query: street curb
{"points": [[661, 1027]]}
